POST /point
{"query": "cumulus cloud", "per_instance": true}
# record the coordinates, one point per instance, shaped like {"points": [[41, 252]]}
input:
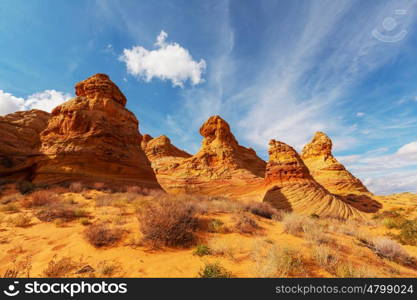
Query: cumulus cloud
{"points": [[169, 61], [408, 150], [360, 114], [46, 100]]}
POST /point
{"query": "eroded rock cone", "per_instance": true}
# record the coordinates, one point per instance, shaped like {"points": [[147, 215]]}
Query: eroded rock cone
{"points": [[93, 137], [291, 187], [326, 170], [20, 143], [221, 155]]}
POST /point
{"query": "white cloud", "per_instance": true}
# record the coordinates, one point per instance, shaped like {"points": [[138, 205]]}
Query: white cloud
{"points": [[360, 114], [46, 100], [408, 150], [169, 61]]}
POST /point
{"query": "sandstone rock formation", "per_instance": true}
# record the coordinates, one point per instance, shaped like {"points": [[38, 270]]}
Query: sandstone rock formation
{"points": [[221, 166], [20, 143], [93, 137], [161, 147], [290, 186], [326, 170]]}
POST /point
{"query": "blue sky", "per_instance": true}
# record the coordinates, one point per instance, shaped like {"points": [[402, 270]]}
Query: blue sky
{"points": [[272, 69]]}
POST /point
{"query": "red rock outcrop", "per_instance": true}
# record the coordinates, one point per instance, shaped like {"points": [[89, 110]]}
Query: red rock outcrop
{"points": [[20, 143], [221, 166], [326, 170], [93, 137], [290, 186]]}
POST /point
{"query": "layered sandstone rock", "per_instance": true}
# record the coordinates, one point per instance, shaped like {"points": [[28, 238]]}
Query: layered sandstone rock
{"points": [[93, 137], [20, 143], [161, 147], [326, 170], [221, 166], [290, 186]]}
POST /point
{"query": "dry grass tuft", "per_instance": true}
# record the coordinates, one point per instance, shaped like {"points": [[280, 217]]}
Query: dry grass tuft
{"points": [[246, 225], [40, 198], [168, 222], [103, 235], [59, 268], [293, 223], [262, 209], [390, 249], [76, 187], [20, 220]]}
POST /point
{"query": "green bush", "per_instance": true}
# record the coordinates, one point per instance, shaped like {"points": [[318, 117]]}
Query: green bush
{"points": [[408, 233], [214, 270]]}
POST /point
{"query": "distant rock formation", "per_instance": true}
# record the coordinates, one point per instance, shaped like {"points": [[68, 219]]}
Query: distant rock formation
{"points": [[221, 164], [326, 170], [20, 143], [291, 187], [93, 137]]}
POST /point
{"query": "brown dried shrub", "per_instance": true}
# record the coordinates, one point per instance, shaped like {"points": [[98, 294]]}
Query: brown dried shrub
{"points": [[246, 225], [168, 222], [103, 235]]}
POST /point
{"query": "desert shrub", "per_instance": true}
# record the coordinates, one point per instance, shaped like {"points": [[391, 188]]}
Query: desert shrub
{"points": [[39, 198], [59, 268], [394, 222], [102, 235], [262, 209], [76, 187], [9, 208], [202, 250], [136, 190], [168, 222], [25, 187], [246, 225], [10, 198], [265, 259], [326, 258], [214, 270], [390, 249], [20, 220], [215, 226], [104, 200], [348, 270], [293, 223], [107, 268], [289, 262], [222, 248], [314, 232], [85, 221], [408, 233], [60, 210], [99, 186]]}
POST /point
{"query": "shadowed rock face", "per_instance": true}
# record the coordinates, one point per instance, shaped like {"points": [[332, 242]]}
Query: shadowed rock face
{"points": [[20, 143], [93, 137], [290, 186], [326, 170], [161, 147]]}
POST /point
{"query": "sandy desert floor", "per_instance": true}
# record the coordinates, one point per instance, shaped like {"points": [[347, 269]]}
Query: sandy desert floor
{"points": [[46, 234]]}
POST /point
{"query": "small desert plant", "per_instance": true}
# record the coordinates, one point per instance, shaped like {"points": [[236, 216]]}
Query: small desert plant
{"points": [[222, 248], [85, 221], [348, 270], [76, 187], [39, 198], [10, 198], [408, 233], [202, 250], [390, 249], [20, 220], [25, 187], [246, 225], [293, 224], [168, 222], [102, 235], [214, 270], [394, 222], [326, 258], [104, 200], [314, 232], [59, 268], [289, 262], [265, 258], [262, 209], [215, 226], [60, 210], [9, 208], [107, 269], [136, 190]]}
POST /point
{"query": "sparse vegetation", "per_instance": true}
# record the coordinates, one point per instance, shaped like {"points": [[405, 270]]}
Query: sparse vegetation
{"points": [[293, 223], [60, 268], [168, 222], [408, 233], [246, 225], [9, 208], [76, 187], [326, 258], [39, 198], [103, 235], [348, 270], [262, 209], [20, 220], [107, 268], [214, 270], [216, 226], [60, 210], [202, 250], [390, 249]]}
